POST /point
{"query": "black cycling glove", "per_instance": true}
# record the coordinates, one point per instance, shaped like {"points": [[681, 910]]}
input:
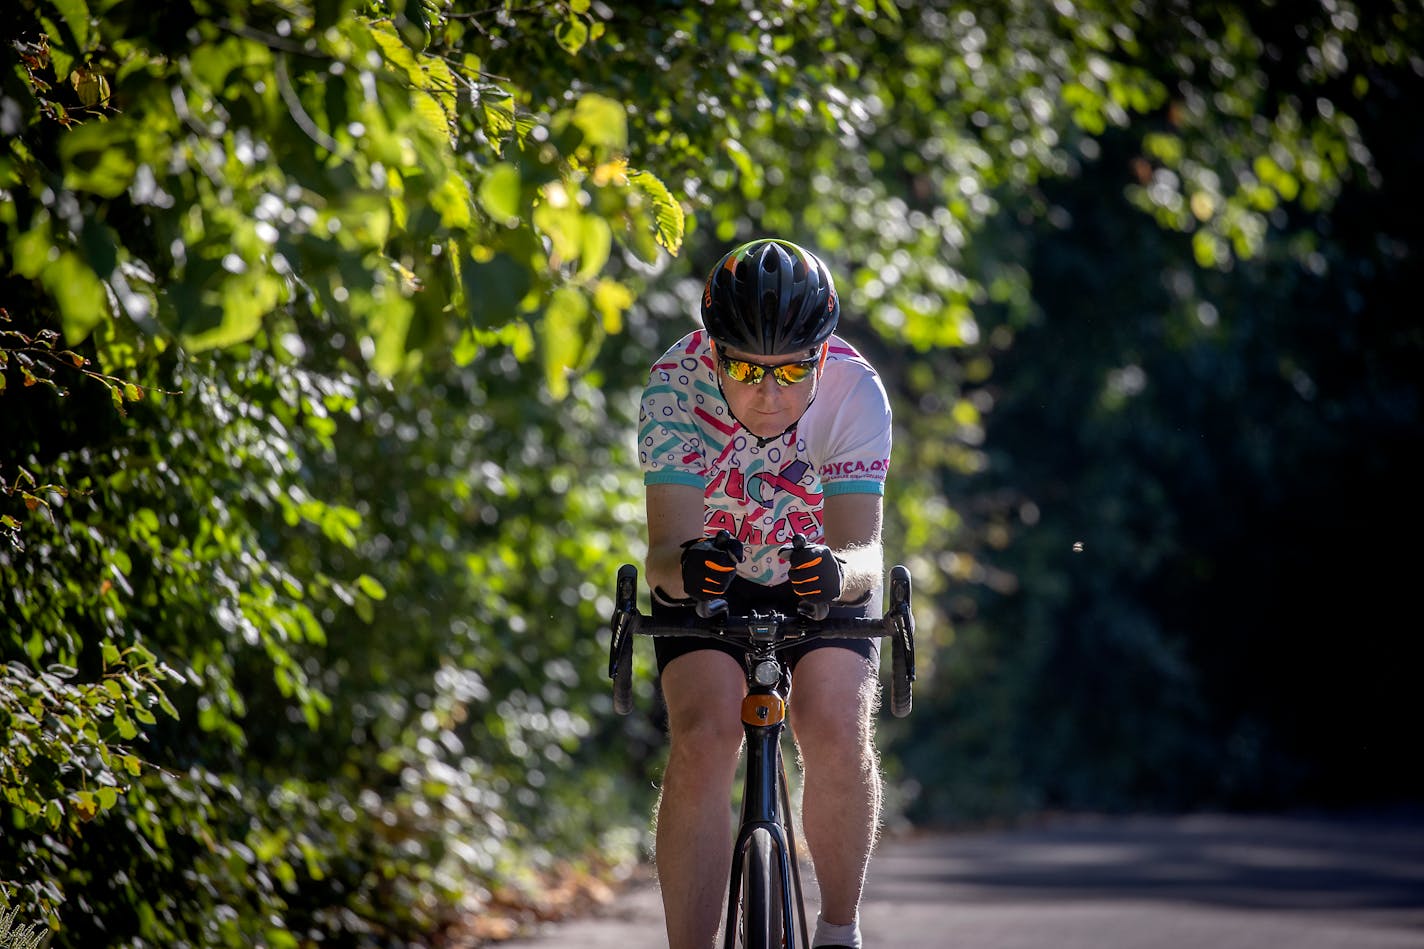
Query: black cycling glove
{"points": [[815, 571], [709, 564]]}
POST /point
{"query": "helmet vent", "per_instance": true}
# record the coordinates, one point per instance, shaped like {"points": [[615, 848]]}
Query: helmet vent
{"points": [[770, 297]]}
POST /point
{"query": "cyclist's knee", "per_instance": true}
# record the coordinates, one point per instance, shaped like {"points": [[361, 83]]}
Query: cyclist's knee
{"points": [[712, 728], [704, 694], [835, 727], [835, 737]]}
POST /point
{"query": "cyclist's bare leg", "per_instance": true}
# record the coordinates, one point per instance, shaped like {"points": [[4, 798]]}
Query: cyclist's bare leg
{"points": [[704, 692], [832, 707]]}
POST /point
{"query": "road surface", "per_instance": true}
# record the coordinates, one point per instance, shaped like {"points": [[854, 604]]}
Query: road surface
{"points": [[1192, 882]]}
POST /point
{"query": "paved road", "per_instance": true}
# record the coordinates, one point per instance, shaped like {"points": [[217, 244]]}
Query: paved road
{"points": [[1223, 882]]}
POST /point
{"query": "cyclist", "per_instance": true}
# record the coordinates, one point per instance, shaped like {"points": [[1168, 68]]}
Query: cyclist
{"points": [[766, 425]]}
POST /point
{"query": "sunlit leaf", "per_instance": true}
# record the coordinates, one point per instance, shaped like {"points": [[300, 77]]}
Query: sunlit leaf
{"points": [[391, 324], [564, 334], [79, 293], [572, 33], [667, 211], [452, 200], [76, 17], [612, 299], [500, 192], [98, 158], [603, 122], [595, 246]]}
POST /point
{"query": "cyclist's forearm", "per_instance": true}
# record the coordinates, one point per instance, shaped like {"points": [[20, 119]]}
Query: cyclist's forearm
{"points": [[664, 569]]}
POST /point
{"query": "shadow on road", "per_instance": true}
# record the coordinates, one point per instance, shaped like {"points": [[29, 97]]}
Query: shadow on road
{"points": [[1297, 864]]}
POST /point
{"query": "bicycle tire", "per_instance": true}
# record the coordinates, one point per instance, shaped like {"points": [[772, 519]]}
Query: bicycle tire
{"points": [[761, 922], [623, 676], [901, 698], [902, 643]]}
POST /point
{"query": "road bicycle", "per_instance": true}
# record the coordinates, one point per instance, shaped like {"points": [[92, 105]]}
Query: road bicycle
{"points": [[765, 906]]}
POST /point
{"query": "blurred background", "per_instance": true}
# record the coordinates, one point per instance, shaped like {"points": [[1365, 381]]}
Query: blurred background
{"points": [[322, 328]]}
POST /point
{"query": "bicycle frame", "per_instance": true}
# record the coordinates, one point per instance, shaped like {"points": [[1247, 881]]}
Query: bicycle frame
{"points": [[766, 800]]}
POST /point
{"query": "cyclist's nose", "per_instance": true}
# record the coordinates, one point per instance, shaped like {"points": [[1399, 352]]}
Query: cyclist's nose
{"points": [[767, 392]]}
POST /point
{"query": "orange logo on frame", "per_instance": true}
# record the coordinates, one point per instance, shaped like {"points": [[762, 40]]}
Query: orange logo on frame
{"points": [[763, 710]]}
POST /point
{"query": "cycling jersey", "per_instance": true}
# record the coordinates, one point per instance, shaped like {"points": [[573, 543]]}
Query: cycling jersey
{"points": [[763, 494]]}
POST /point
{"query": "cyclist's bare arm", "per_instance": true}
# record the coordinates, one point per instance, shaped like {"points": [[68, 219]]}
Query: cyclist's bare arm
{"points": [[852, 527], [853, 531], [675, 516]]}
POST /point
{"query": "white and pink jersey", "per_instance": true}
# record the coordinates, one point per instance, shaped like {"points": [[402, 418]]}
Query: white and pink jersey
{"points": [[762, 495]]}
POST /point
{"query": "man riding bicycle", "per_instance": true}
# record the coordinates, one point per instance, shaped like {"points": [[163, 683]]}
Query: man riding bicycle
{"points": [[765, 425]]}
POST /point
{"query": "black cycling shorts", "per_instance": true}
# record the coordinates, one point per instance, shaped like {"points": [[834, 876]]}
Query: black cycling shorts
{"points": [[746, 596]]}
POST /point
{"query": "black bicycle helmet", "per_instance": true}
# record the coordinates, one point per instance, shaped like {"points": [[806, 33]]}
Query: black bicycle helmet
{"points": [[770, 298]]}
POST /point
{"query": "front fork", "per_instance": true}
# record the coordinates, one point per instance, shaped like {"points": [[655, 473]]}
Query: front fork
{"points": [[764, 719]]}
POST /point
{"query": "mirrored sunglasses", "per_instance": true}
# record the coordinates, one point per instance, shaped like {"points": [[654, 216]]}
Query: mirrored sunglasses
{"points": [[752, 373]]}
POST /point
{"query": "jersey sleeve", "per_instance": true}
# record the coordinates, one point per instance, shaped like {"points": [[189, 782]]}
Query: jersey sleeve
{"points": [[670, 447], [858, 455]]}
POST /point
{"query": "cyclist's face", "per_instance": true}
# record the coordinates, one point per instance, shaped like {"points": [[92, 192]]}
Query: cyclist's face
{"points": [[767, 408]]}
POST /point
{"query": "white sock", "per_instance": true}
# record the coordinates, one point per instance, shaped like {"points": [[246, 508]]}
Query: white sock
{"points": [[828, 934]]}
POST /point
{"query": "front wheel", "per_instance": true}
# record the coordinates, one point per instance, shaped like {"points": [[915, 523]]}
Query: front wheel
{"points": [[901, 620], [761, 922], [624, 624], [901, 696]]}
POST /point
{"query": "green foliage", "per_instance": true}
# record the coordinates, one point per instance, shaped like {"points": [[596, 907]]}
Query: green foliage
{"points": [[264, 215], [323, 328], [1182, 446]]}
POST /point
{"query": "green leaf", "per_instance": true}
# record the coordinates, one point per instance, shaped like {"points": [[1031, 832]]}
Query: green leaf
{"points": [[394, 47], [370, 586], [98, 157], [500, 191], [572, 33], [79, 294], [667, 212], [595, 246], [167, 706], [213, 64], [84, 805], [390, 323], [127, 730], [246, 299], [497, 114], [76, 15], [603, 122], [562, 337], [494, 289], [562, 224], [452, 201], [431, 116], [281, 939], [31, 250], [611, 299]]}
